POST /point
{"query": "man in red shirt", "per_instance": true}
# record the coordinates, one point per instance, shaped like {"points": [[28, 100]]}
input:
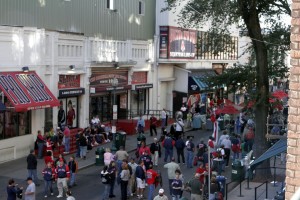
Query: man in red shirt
{"points": [[201, 171], [151, 177]]}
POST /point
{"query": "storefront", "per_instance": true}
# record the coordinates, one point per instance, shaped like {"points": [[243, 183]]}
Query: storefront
{"points": [[68, 95], [106, 86]]}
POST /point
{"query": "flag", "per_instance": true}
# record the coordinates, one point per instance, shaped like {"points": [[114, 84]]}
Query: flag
{"points": [[216, 132]]}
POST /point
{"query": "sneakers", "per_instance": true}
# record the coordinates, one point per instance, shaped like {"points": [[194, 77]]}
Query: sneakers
{"points": [[59, 196]]}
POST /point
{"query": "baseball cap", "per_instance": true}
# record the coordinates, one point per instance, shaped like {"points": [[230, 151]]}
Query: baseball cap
{"points": [[161, 191]]}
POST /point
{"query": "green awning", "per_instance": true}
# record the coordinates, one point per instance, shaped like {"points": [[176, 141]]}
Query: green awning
{"points": [[277, 148]]}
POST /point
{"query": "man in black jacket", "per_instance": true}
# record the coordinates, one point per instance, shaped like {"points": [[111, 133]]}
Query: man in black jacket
{"points": [[179, 144], [155, 150], [31, 167]]}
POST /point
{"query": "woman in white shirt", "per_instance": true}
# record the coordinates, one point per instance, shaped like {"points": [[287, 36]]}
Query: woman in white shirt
{"points": [[108, 156]]}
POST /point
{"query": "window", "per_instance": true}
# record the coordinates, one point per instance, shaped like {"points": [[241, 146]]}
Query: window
{"points": [[110, 4], [141, 7]]}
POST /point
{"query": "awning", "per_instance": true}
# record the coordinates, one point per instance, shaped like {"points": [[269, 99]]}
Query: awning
{"points": [[26, 91], [277, 148], [197, 80]]}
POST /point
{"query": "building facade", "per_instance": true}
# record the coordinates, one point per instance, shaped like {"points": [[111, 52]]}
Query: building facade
{"points": [[75, 49]]}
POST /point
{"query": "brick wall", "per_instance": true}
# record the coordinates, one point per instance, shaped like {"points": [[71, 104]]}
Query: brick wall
{"points": [[293, 150]]}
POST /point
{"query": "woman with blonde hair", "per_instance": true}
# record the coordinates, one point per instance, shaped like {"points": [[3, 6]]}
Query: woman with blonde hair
{"points": [[125, 176], [108, 156]]}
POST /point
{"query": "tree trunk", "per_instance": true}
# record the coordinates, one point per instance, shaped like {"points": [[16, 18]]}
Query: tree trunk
{"points": [[251, 19]]}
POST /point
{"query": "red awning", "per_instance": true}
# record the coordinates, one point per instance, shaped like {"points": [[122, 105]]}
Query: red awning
{"points": [[26, 91]]}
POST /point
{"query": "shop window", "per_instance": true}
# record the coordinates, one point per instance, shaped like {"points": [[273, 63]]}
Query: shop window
{"points": [[48, 119], [141, 7], [69, 106]]}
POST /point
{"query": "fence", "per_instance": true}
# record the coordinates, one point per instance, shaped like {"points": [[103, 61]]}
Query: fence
{"points": [[255, 195]]}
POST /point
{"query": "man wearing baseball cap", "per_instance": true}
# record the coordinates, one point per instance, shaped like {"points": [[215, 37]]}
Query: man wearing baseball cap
{"points": [[161, 195]]}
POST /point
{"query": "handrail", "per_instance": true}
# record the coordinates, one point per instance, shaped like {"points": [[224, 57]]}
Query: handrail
{"points": [[226, 188], [255, 195]]}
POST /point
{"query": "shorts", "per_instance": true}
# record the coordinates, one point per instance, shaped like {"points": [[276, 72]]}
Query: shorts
{"points": [[140, 183]]}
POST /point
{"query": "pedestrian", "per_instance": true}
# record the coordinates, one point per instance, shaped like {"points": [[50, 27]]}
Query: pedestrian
{"points": [[13, 190], [77, 136], [161, 195], [48, 174], [69, 195], [120, 155], [49, 158], [177, 186], [222, 137], [163, 117], [155, 150], [49, 145], [213, 188], [108, 156], [40, 143], [201, 172], [218, 159], [73, 167], [153, 124], [172, 167], [132, 181], [30, 191], [66, 140], [144, 148], [151, 177], [196, 187], [168, 144], [32, 167], [62, 175], [140, 125], [140, 179], [112, 170], [105, 179], [227, 149], [83, 145], [235, 147], [190, 148], [125, 176], [180, 145], [179, 127]]}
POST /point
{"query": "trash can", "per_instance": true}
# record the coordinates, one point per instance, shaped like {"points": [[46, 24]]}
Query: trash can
{"points": [[222, 183], [120, 140], [237, 172], [141, 138], [99, 156]]}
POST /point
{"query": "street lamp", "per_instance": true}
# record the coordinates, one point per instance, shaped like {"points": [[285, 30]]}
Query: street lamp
{"points": [[115, 114]]}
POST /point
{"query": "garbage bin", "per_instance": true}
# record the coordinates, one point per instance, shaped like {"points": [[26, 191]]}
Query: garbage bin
{"points": [[222, 183], [99, 156], [120, 140], [237, 172], [140, 138]]}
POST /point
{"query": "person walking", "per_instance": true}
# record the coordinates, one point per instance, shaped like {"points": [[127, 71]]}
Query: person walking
{"points": [[235, 147], [190, 147], [163, 117], [140, 179], [227, 148], [30, 191], [32, 167], [140, 125], [177, 186], [108, 156], [112, 170], [196, 187], [62, 175], [48, 174], [83, 145], [161, 195], [155, 150], [73, 167], [151, 177], [13, 190], [125, 176], [67, 140], [168, 144], [120, 155], [153, 124], [179, 127], [180, 145], [40, 143], [105, 179], [132, 181], [171, 167]]}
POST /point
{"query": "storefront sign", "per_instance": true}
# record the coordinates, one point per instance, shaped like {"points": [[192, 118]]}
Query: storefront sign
{"points": [[143, 86], [176, 42], [139, 78], [71, 92], [68, 81], [103, 81]]}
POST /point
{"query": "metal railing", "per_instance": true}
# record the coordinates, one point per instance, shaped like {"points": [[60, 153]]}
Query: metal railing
{"points": [[255, 195], [226, 188]]}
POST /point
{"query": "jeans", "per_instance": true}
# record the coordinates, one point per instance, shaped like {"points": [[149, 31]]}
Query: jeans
{"points": [[67, 144], [151, 191], [72, 178], [106, 192], [236, 155], [33, 174], [40, 149], [168, 152], [180, 153], [189, 159], [78, 149], [112, 187], [153, 128], [48, 184], [83, 151], [154, 158], [175, 197], [124, 185]]}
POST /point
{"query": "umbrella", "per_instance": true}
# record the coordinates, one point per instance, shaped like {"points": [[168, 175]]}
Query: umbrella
{"points": [[279, 94], [230, 103], [227, 110]]}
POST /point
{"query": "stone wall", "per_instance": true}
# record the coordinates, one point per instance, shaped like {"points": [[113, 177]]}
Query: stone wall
{"points": [[293, 150]]}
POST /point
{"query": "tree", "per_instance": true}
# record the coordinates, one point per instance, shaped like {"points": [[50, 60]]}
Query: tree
{"points": [[221, 15]]}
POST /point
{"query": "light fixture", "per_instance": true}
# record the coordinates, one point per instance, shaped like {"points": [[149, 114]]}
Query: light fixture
{"points": [[116, 65], [72, 67], [148, 60], [25, 69]]}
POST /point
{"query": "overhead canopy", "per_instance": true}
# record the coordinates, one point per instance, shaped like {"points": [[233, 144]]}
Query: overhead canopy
{"points": [[197, 80], [26, 91], [277, 148]]}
